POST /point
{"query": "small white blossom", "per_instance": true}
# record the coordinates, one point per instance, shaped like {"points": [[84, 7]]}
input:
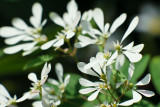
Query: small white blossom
{"points": [[37, 84], [94, 87], [136, 96], [6, 100], [69, 22], [22, 32], [131, 52], [61, 83], [105, 32], [104, 29]]}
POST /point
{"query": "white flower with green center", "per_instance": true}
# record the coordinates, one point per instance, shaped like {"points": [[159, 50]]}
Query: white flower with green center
{"points": [[136, 96], [94, 87], [61, 83], [37, 84], [22, 32], [84, 40], [6, 100], [57, 42], [104, 31], [130, 51], [99, 19], [104, 59], [70, 19]]}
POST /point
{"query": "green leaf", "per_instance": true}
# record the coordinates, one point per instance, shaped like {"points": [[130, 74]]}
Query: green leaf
{"points": [[143, 103], [11, 64], [38, 61], [154, 69], [140, 68], [72, 89]]}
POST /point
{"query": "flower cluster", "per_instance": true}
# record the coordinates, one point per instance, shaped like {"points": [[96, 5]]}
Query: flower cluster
{"points": [[106, 66]]}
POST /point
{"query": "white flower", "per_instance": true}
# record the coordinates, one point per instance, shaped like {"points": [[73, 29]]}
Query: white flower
{"points": [[95, 87], [98, 16], [22, 32], [105, 32], [37, 84], [46, 102], [6, 100], [104, 59], [69, 22], [61, 83], [57, 42], [131, 52], [136, 96], [84, 40]]}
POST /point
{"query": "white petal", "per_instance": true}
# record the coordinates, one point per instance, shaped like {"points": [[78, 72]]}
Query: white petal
{"points": [[24, 97], [32, 77], [19, 23], [146, 93], [59, 71], [76, 21], [99, 18], [106, 27], [126, 103], [87, 90], [30, 51], [120, 61], [3, 100], [72, 8], [14, 40], [144, 81], [4, 91], [48, 44], [83, 44], [46, 69], [37, 104], [70, 34], [59, 43], [133, 57], [96, 31], [53, 81], [91, 64], [137, 48], [14, 49], [129, 46], [67, 19], [119, 21], [94, 95], [87, 15], [45, 99], [136, 96], [114, 55], [86, 26], [37, 14], [66, 80], [81, 65], [85, 39], [96, 67], [9, 31], [86, 83], [56, 19], [43, 79], [131, 27], [29, 46], [130, 71]]}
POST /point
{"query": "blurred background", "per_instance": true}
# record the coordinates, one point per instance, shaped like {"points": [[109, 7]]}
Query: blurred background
{"points": [[13, 74]]}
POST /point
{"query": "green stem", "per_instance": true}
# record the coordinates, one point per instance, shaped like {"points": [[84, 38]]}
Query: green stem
{"points": [[111, 95]]}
